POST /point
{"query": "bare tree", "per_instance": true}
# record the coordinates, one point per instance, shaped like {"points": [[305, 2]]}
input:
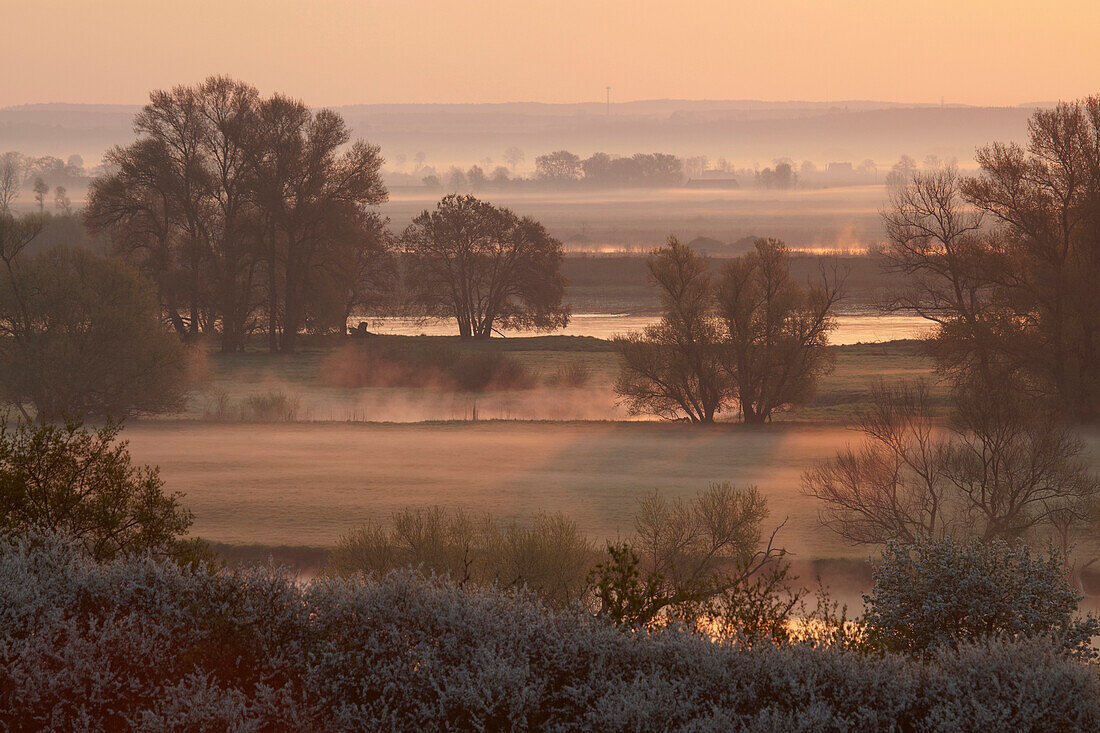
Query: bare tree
{"points": [[1001, 469], [1005, 263], [1043, 204], [513, 156], [11, 178], [41, 188], [485, 267], [61, 200], [778, 330], [894, 486], [674, 369]]}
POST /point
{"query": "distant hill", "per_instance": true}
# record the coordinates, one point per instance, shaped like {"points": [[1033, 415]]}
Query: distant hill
{"points": [[743, 131]]}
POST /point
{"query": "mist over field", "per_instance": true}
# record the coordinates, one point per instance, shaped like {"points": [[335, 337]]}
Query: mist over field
{"points": [[550, 366], [743, 131]]}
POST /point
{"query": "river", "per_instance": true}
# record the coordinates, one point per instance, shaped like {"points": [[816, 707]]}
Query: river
{"points": [[852, 328]]}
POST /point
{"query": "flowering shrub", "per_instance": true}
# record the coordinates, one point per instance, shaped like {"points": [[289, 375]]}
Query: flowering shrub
{"points": [[936, 593], [143, 644]]}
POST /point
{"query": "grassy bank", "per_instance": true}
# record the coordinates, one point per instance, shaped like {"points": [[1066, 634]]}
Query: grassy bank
{"points": [[304, 379]]}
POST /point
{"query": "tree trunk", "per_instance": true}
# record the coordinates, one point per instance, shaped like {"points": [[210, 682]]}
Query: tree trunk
{"points": [[750, 415], [272, 292]]}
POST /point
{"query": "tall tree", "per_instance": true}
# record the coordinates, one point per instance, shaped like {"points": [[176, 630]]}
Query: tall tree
{"points": [[231, 204], [136, 206], [675, 368], [11, 178], [41, 188], [778, 330], [485, 267], [1006, 263], [315, 193]]}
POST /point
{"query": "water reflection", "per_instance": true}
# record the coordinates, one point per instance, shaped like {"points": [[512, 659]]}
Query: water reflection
{"points": [[852, 328]]}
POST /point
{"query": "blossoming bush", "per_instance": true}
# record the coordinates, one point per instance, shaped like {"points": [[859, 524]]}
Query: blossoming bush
{"points": [[938, 593], [144, 644]]}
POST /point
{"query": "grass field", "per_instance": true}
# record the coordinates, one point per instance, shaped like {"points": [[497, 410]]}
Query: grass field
{"points": [[306, 484], [290, 489], [236, 377]]}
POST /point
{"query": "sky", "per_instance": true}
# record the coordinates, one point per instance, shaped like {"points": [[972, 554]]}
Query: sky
{"points": [[329, 52]]}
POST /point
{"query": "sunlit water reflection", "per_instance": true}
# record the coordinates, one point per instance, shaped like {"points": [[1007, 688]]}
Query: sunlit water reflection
{"points": [[851, 328]]}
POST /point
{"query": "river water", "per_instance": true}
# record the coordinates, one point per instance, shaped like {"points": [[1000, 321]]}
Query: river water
{"points": [[852, 328]]}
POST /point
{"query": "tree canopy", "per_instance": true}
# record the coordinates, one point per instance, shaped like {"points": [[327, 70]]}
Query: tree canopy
{"points": [[243, 210], [1006, 262], [756, 338], [485, 267], [81, 335]]}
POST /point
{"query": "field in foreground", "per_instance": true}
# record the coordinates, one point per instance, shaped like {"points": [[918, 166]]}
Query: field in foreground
{"points": [[306, 484]]}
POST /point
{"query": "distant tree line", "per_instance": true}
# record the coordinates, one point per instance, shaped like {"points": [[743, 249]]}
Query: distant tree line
{"points": [[563, 169], [18, 172]]}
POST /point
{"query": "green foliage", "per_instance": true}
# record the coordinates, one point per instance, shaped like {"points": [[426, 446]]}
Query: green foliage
{"points": [[622, 597], [700, 564], [940, 593], [81, 335], [71, 479]]}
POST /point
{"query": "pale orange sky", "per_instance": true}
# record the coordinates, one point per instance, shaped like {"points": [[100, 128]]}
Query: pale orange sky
{"points": [[369, 51]]}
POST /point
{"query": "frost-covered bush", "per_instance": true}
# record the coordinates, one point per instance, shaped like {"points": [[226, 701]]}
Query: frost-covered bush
{"points": [[145, 645], [936, 593]]}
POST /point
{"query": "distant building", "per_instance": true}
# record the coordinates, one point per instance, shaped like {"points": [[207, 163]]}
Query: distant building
{"points": [[843, 169]]}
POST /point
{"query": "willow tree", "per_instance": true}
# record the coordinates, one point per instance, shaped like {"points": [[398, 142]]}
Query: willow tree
{"points": [[485, 267], [674, 368], [756, 338], [777, 330], [239, 207], [176, 204]]}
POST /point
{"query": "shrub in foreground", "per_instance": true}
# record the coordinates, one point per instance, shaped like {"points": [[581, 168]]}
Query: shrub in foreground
{"points": [[140, 644], [82, 482], [938, 593]]}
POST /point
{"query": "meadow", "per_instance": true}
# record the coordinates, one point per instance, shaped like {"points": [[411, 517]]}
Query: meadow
{"points": [[288, 486]]}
